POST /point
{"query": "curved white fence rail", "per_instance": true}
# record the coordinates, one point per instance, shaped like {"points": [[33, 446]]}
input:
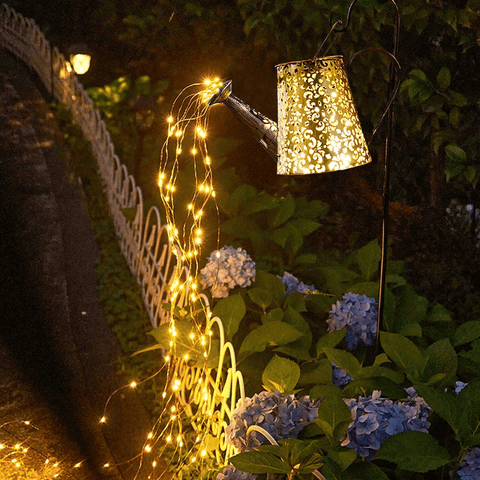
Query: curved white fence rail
{"points": [[143, 241]]}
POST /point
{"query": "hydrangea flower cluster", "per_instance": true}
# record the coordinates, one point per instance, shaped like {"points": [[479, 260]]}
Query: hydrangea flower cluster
{"points": [[227, 268], [470, 467], [359, 314], [463, 216], [374, 419], [293, 284], [340, 377], [281, 416], [231, 473]]}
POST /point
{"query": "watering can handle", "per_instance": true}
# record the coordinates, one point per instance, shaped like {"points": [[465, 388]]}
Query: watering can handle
{"points": [[396, 86]]}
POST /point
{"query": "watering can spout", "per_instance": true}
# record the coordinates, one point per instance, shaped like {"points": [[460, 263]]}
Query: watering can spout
{"points": [[263, 129]]}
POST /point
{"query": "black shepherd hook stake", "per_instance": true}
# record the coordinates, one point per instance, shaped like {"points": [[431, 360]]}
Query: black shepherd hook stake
{"points": [[393, 87]]}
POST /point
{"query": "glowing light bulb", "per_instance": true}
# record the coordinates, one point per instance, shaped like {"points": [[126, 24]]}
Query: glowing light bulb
{"points": [[148, 448], [170, 119], [169, 439], [154, 463], [103, 420], [194, 151], [133, 384], [208, 161]]}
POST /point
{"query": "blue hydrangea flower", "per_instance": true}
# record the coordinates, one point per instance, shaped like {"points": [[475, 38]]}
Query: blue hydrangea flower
{"points": [[374, 419], [340, 377], [459, 386], [281, 416], [358, 313], [227, 268], [470, 467], [293, 284], [231, 473]]}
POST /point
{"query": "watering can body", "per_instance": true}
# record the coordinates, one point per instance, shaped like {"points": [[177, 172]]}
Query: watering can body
{"points": [[318, 127]]}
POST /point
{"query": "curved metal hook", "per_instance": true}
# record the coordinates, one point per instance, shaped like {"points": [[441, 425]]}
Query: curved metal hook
{"points": [[394, 89], [349, 14]]}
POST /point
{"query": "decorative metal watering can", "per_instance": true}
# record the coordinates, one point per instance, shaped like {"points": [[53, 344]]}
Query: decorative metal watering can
{"points": [[318, 126]]}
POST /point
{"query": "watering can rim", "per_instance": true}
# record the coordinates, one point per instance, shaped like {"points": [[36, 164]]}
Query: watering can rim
{"points": [[315, 59]]}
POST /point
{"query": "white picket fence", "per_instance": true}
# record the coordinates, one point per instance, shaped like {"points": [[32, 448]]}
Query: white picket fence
{"points": [[143, 241]]}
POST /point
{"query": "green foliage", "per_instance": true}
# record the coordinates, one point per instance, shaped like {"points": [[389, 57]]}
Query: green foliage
{"points": [[413, 451], [272, 228], [291, 457]]}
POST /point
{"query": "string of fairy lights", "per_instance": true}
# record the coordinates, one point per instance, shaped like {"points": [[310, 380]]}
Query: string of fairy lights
{"points": [[185, 155], [18, 455]]}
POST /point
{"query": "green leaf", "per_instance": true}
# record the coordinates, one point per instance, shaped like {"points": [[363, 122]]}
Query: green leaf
{"points": [[413, 451], [364, 471], [286, 209], [443, 78], [261, 297], [304, 225], [455, 153], [325, 391], [439, 314], [469, 407], [269, 335], [368, 258], [274, 315], [444, 404], [333, 418], [259, 462], [306, 259], [457, 99], [295, 239], [280, 374], [365, 288], [411, 308], [466, 332], [331, 339], [259, 203], [240, 227], [296, 301], [343, 458], [230, 310], [344, 360], [441, 358], [240, 196], [404, 353], [318, 373], [337, 277], [271, 283]]}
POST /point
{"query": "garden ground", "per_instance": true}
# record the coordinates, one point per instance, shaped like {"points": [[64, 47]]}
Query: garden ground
{"points": [[57, 355]]}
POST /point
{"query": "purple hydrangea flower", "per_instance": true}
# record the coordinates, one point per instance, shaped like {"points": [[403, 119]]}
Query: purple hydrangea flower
{"points": [[374, 419], [470, 467], [293, 284], [459, 386], [231, 473], [358, 313], [227, 268], [340, 377], [281, 416]]}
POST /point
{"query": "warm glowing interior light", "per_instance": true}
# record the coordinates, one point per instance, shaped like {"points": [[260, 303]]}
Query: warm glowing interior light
{"points": [[148, 448], [133, 384], [80, 63], [103, 420], [170, 119]]}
